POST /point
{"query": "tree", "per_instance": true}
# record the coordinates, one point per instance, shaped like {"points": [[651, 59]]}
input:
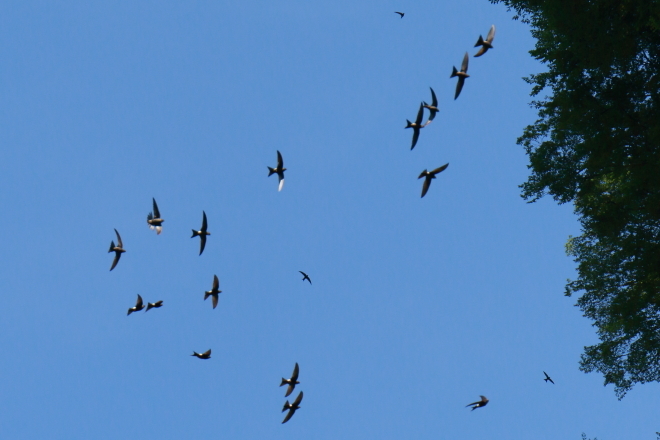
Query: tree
{"points": [[596, 143]]}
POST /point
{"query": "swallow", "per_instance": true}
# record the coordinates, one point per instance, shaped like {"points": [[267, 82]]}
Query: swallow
{"points": [[305, 277], [118, 250], [292, 382], [279, 170], [154, 220], [416, 126], [461, 75], [547, 378], [138, 306], [485, 44], [433, 108], [155, 305], [400, 13], [292, 407], [202, 234], [430, 175], [479, 404], [214, 291], [205, 355]]}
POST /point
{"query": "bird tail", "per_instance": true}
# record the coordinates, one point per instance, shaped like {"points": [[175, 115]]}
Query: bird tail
{"points": [[284, 382], [195, 233], [194, 354], [271, 171], [287, 405], [408, 124], [454, 72], [112, 246], [480, 42], [129, 312], [206, 295], [148, 307]]}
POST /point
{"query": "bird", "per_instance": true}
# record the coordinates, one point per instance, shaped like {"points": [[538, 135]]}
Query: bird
{"points": [[430, 175], [416, 126], [400, 13], [279, 170], [205, 355], [118, 250], [478, 404], [292, 382], [305, 277], [485, 44], [214, 291], [462, 74], [155, 305], [547, 378], [292, 407], [202, 234], [154, 220], [138, 306], [433, 108]]}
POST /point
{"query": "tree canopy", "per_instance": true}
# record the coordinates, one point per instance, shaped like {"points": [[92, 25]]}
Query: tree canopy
{"points": [[596, 143]]}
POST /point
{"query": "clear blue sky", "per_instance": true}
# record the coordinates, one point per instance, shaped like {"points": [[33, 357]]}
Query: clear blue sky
{"points": [[417, 307]]}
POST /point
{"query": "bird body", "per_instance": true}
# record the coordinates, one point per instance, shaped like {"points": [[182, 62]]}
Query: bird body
{"points": [[478, 404], [155, 305], [400, 13], [138, 306], [461, 74], [305, 276], [433, 108], [292, 407], [430, 175], [205, 355], [214, 291], [291, 382], [487, 43], [547, 378], [118, 250], [279, 170], [154, 220], [416, 126], [202, 233]]}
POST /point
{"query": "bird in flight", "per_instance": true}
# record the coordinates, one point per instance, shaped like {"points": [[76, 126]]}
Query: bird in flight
{"points": [[479, 404], [433, 108], [462, 74], [154, 220], [547, 378], [214, 291], [292, 382], [305, 277], [138, 306], [400, 13], [416, 126], [430, 175], [118, 250], [485, 44], [279, 170], [292, 407], [155, 305], [205, 355], [202, 234]]}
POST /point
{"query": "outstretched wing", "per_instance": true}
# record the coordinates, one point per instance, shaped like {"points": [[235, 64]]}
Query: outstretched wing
{"points": [[491, 34], [420, 115], [156, 211], [215, 300], [459, 86], [298, 399], [280, 162], [119, 243], [464, 65], [415, 137], [433, 98], [427, 183], [138, 304], [202, 243], [204, 222], [294, 376], [439, 170], [288, 416], [116, 260], [216, 283], [281, 185]]}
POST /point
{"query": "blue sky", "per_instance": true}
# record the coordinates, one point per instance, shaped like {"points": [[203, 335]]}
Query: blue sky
{"points": [[417, 306]]}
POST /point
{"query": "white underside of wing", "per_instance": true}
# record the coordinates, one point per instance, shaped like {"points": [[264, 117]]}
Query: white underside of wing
{"points": [[159, 229], [281, 185]]}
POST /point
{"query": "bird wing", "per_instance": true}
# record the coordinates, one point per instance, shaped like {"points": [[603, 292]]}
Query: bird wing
{"points": [[216, 283], [415, 137], [464, 65], [420, 115], [281, 185], [481, 51], [491, 34], [116, 260], [202, 243], [288, 415], [484, 399], [303, 273], [294, 376], [400, 13], [289, 389], [433, 98], [158, 303], [298, 399], [427, 183], [459, 86], [139, 303], [207, 353], [119, 243], [156, 211], [439, 170], [204, 222], [215, 300], [280, 162]]}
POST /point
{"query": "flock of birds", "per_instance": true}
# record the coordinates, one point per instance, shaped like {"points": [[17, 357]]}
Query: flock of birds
{"points": [[155, 222]]}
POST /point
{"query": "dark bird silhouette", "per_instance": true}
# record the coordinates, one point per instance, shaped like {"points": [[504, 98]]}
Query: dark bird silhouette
{"points": [[292, 407], [205, 355], [118, 250], [154, 220], [487, 43], [155, 305], [462, 74], [305, 277], [400, 13], [202, 234], [138, 306], [547, 378], [433, 108], [416, 126], [292, 382], [279, 170], [479, 404], [430, 175], [214, 291]]}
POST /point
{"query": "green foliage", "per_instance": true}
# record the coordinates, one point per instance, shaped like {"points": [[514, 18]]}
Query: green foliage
{"points": [[596, 143]]}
